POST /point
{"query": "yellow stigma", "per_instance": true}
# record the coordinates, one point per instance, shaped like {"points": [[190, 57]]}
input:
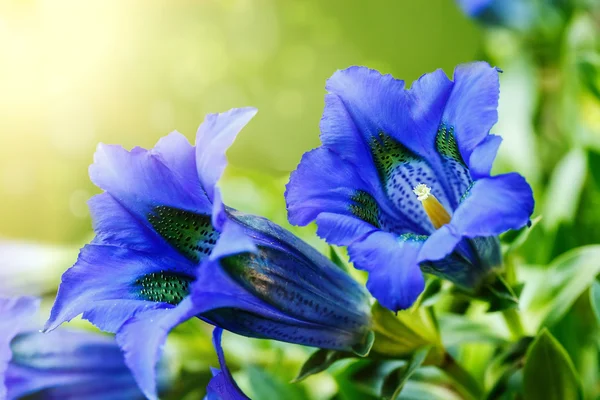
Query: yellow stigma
{"points": [[433, 208]]}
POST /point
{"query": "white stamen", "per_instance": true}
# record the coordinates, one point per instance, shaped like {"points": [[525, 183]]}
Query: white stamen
{"points": [[422, 191]]}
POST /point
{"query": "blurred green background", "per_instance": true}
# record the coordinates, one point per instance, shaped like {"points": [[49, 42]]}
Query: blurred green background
{"points": [[76, 73]]}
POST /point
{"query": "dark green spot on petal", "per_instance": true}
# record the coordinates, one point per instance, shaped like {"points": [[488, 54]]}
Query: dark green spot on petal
{"points": [[411, 237], [365, 207], [445, 143], [387, 153], [163, 287], [191, 234]]}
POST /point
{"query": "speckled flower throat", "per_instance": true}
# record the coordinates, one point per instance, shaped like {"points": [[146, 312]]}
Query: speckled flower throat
{"points": [[401, 171], [190, 234]]}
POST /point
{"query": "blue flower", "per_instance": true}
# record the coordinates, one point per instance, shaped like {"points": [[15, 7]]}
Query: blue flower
{"points": [[162, 232], [64, 364], [403, 179], [515, 14], [222, 386]]}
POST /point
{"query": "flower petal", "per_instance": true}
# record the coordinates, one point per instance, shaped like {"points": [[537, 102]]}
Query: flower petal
{"points": [[69, 364], [142, 339], [472, 108], [15, 313], [323, 182], [215, 135], [482, 157], [110, 284], [492, 206], [222, 386], [225, 303], [143, 179], [395, 278]]}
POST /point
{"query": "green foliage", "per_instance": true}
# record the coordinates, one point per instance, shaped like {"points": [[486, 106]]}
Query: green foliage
{"points": [[395, 382], [549, 372], [562, 282]]}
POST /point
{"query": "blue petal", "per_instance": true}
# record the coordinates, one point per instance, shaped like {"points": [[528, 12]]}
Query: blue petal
{"points": [[232, 239], [474, 7], [142, 339], [296, 279], [493, 206], [225, 303], [102, 285], [472, 108], [116, 226], [395, 278], [482, 157], [222, 386], [142, 179], [14, 315], [69, 364], [215, 135], [324, 183]]}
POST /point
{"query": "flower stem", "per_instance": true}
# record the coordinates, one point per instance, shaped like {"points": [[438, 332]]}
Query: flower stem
{"points": [[513, 321], [468, 386]]}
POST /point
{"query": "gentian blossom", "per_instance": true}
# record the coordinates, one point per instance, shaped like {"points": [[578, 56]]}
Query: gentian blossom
{"points": [[222, 386], [162, 233], [516, 14], [403, 179], [64, 364]]}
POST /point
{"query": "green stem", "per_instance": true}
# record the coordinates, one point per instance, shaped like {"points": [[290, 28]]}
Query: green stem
{"points": [[513, 321], [468, 386]]}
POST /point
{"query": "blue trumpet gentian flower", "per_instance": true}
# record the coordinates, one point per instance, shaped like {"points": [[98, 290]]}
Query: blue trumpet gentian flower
{"points": [[515, 14], [403, 179], [64, 364], [162, 232], [222, 386]]}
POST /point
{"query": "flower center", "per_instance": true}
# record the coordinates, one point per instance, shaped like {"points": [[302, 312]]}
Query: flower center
{"points": [[433, 208]]}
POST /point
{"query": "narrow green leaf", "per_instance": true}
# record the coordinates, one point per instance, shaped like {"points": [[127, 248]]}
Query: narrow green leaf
{"points": [[564, 189], [498, 294], [266, 386], [363, 349], [394, 382], [399, 336], [504, 365], [337, 260], [319, 361], [515, 239], [457, 330], [565, 279], [595, 299], [549, 373], [430, 294]]}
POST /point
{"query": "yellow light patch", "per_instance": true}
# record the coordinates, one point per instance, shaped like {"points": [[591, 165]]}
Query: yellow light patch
{"points": [[433, 208]]}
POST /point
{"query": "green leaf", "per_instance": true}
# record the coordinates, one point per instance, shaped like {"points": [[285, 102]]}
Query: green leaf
{"points": [[399, 336], [363, 349], [319, 361], [549, 373], [504, 365], [515, 239], [337, 260], [418, 390], [361, 380], [265, 386], [430, 294], [564, 280], [457, 330], [564, 189], [595, 299], [497, 293], [394, 382], [589, 73]]}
